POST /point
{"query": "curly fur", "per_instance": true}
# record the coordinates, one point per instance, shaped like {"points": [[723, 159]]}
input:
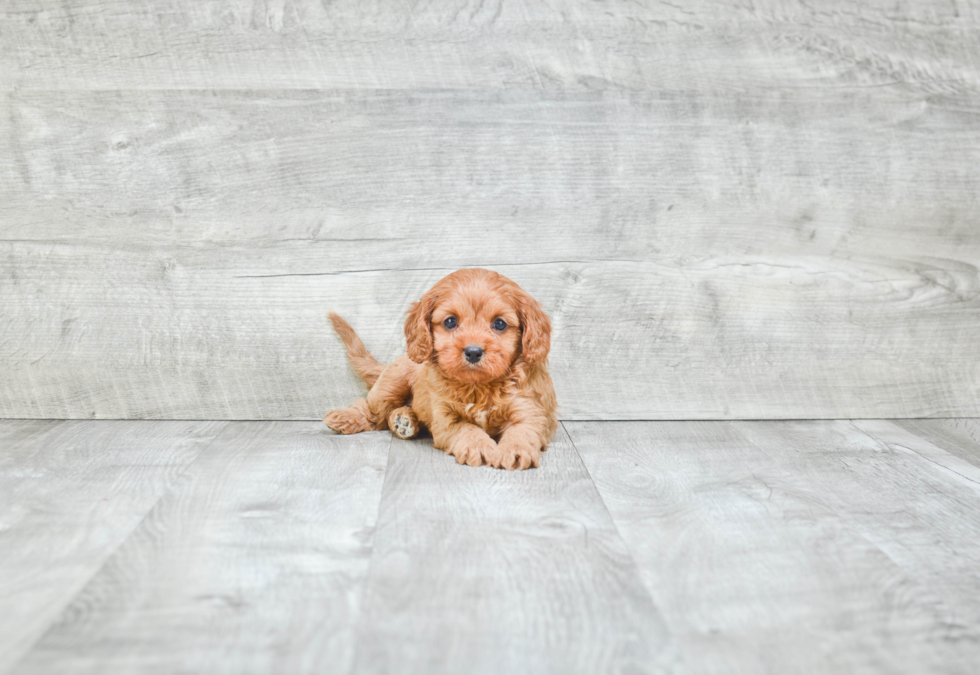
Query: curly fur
{"points": [[501, 411]]}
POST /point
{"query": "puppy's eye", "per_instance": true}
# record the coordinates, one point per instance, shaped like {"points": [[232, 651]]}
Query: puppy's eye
{"points": [[499, 324], [450, 322]]}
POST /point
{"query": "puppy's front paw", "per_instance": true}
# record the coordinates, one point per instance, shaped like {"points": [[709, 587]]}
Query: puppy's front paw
{"points": [[512, 456], [403, 423], [473, 450], [347, 421]]}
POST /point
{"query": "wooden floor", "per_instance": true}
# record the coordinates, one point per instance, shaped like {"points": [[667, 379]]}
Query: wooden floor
{"points": [[688, 547]]}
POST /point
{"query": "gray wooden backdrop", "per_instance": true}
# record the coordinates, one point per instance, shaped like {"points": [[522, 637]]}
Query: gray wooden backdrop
{"points": [[731, 210]]}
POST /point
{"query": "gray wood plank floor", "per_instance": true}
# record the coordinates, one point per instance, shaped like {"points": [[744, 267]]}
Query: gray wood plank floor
{"points": [[253, 562], [71, 493], [500, 572], [684, 547], [797, 546]]}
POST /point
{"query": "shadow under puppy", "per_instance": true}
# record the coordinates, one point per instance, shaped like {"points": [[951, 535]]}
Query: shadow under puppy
{"points": [[474, 374]]}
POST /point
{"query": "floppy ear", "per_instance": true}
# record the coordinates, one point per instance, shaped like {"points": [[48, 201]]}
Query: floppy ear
{"points": [[536, 341], [418, 332]]}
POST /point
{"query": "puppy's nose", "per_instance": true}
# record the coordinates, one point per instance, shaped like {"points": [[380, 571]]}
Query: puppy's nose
{"points": [[473, 353]]}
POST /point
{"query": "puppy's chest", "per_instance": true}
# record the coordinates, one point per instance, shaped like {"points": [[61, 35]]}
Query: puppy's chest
{"points": [[491, 412]]}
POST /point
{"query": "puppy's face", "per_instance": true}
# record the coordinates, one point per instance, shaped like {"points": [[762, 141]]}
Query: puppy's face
{"points": [[476, 334], [474, 324]]}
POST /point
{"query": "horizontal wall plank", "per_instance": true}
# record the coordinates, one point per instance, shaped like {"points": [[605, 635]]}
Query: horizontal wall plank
{"points": [[70, 495], [253, 562], [240, 332], [795, 546], [479, 177], [304, 44]]}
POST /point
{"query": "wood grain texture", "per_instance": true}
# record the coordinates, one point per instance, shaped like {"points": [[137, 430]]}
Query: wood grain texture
{"points": [[790, 547], [380, 180], [684, 547], [487, 571], [70, 494], [958, 437], [959, 459], [252, 563], [241, 333], [559, 44], [761, 212]]}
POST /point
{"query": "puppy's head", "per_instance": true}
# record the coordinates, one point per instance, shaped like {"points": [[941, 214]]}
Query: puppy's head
{"points": [[474, 324]]}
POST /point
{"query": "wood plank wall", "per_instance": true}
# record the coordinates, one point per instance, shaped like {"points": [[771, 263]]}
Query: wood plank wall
{"points": [[731, 210]]}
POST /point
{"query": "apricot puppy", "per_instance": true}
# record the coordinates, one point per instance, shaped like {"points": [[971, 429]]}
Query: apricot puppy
{"points": [[474, 375]]}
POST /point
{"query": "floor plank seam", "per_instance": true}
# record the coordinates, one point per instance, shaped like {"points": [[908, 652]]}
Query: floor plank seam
{"points": [[626, 546], [370, 566], [109, 554], [861, 530], [884, 445]]}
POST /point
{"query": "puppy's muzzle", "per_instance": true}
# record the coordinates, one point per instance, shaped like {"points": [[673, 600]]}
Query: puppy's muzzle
{"points": [[473, 353]]}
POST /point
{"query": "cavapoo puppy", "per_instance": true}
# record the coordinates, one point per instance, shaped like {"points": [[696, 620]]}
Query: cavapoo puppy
{"points": [[474, 374]]}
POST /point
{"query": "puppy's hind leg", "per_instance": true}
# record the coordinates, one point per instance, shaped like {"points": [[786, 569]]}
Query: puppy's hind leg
{"points": [[391, 391], [403, 423], [350, 420], [390, 394]]}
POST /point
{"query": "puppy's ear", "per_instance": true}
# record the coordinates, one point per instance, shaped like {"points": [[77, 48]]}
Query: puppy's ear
{"points": [[418, 332], [536, 341]]}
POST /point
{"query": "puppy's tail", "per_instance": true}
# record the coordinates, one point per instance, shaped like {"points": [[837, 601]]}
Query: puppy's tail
{"points": [[365, 365]]}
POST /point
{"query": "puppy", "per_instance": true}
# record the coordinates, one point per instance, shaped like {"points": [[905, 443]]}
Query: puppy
{"points": [[474, 374]]}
